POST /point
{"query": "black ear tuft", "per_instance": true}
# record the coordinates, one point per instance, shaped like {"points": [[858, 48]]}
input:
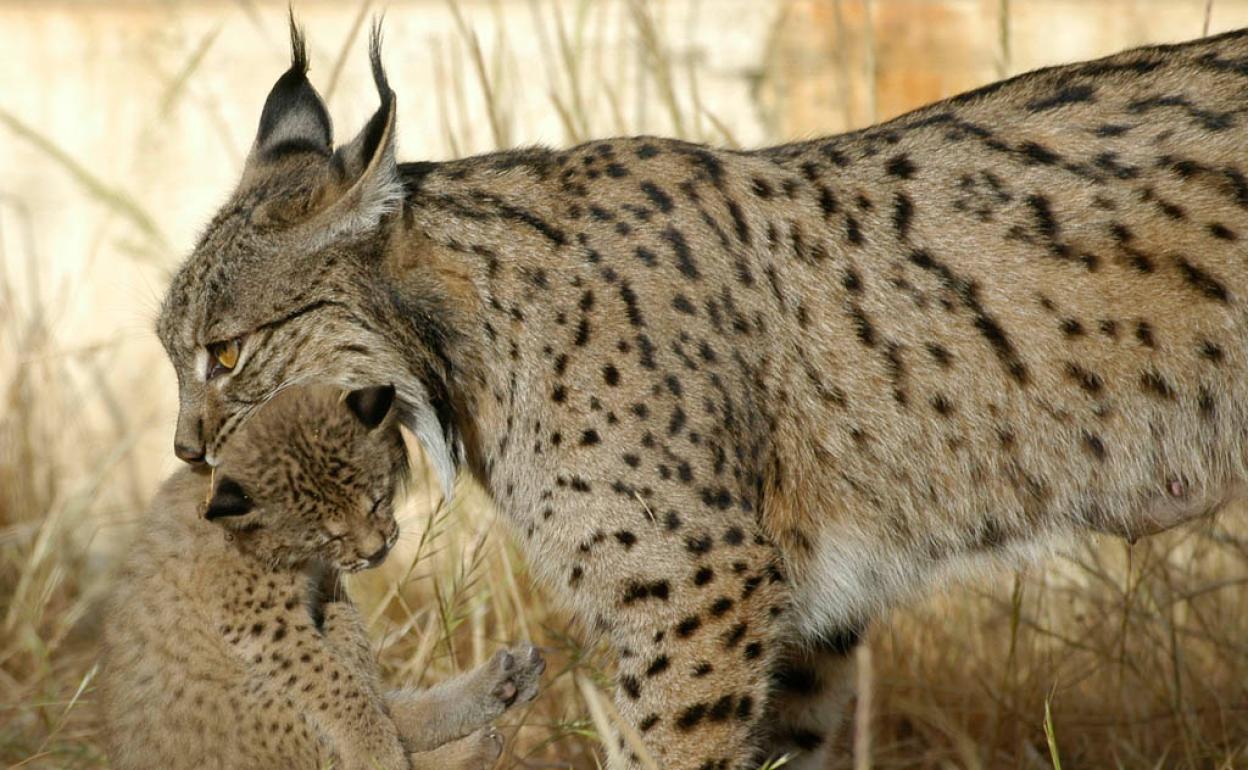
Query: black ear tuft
{"points": [[228, 499], [371, 405], [374, 59], [294, 118], [375, 129], [298, 45], [359, 154]]}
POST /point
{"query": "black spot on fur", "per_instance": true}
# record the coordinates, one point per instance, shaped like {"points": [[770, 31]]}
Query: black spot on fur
{"points": [[827, 201], [1211, 352], [1094, 444], [985, 324], [690, 717], [1152, 382], [1037, 154], [1070, 94], [900, 166], [903, 214], [630, 686], [656, 194], [1221, 231], [687, 627], [684, 256], [853, 230], [862, 326], [1202, 281], [1087, 380], [658, 666], [636, 590]]}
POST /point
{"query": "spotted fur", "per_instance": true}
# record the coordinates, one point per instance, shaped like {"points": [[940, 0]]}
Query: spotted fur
{"points": [[228, 642], [738, 404]]}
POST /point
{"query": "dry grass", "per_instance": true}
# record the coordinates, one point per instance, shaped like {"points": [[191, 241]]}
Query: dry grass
{"points": [[1115, 656]]}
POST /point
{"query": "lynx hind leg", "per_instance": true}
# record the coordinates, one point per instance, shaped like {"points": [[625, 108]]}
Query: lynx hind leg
{"points": [[811, 687], [455, 708], [478, 751]]}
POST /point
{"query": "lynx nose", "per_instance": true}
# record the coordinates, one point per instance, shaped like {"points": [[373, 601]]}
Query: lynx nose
{"points": [[188, 437], [189, 454]]}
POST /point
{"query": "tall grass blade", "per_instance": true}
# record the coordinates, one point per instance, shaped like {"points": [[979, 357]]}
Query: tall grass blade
{"points": [[113, 198]]}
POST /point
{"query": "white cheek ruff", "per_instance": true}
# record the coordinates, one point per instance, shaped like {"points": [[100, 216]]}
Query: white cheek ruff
{"points": [[420, 418]]}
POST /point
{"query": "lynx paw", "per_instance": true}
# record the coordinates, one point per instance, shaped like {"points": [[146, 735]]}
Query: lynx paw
{"points": [[518, 674]]}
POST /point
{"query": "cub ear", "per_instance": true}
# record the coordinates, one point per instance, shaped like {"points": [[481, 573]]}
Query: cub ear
{"points": [[371, 405], [228, 499], [294, 118]]}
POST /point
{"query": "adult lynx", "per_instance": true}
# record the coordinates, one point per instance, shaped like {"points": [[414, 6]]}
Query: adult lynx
{"points": [[737, 404]]}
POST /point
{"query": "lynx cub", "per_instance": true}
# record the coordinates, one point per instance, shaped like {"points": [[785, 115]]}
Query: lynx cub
{"points": [[230, 644]]}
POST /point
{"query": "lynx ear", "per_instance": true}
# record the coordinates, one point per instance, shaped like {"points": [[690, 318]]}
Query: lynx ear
{"points": [[294, 118], [369, 169]]}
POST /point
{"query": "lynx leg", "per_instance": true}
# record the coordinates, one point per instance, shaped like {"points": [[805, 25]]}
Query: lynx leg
{"points": [[692, 606], [455, 708], [344, 632], [811, 687], [478, 751], [338, 699]]}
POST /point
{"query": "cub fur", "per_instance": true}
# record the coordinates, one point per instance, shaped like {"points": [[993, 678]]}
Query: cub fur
{"points": [[230, 644]]}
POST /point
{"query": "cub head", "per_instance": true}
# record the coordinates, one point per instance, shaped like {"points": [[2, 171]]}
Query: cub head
{"points": [[284, 286], [311, 477]]}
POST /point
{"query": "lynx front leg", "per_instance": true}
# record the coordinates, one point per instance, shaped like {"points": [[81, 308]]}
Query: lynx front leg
{"points": [[344, 632], [811, 686], [478, 751], [451, 710], [693, 607]]}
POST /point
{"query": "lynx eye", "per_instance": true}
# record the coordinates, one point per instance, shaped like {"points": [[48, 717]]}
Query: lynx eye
{"points": [[223, 356]]}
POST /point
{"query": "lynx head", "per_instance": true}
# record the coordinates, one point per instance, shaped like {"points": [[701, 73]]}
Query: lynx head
{"points": [[284, 286], [311, 476]]}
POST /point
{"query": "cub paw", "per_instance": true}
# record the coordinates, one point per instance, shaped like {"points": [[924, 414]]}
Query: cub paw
{"points": [[519, 673], [478, 751], [487, 745]]}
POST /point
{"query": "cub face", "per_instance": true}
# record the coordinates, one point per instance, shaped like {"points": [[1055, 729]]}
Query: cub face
{"points": [[311, 477]]}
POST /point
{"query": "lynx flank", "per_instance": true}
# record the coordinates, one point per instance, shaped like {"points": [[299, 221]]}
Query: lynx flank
{"points": [[229, 645], [738, 404]]}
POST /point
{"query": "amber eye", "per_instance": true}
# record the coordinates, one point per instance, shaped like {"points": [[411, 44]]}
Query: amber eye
{"points": [[223, 356]]}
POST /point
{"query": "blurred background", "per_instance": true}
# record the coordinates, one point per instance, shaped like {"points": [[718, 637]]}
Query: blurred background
{"points": [[122, 126]]}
